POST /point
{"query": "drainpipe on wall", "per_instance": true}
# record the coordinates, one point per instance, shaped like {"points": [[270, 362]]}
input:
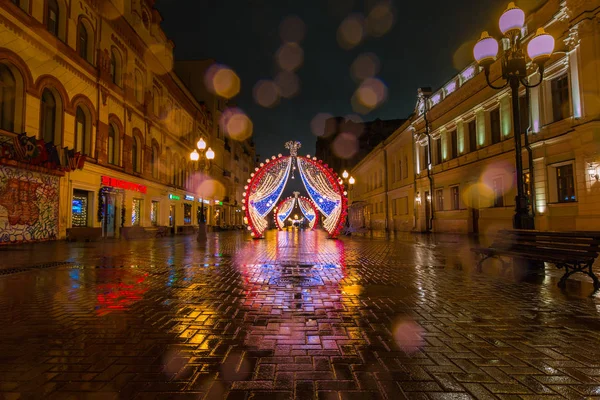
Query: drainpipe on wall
{"points": [[385, 189], [529, 155], [415, 204], [431, 215]]}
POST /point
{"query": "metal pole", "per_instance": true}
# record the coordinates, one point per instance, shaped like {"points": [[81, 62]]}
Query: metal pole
{"points": [[522, 219]]}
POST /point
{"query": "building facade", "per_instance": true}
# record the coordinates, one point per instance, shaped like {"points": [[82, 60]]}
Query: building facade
{"points": [[235, 159], [464, 154], [345, 142], [96, 79]]}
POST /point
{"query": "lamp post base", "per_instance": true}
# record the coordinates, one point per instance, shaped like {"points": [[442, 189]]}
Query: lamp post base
{"points": [[523, 221], [201, 237]]}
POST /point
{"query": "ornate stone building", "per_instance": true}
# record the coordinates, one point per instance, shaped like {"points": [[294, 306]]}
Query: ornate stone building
{"points": [[95, 78], [464, 157]]}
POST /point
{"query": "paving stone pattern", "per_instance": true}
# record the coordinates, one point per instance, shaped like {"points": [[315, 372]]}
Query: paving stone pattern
{"points": [[293, 316]]}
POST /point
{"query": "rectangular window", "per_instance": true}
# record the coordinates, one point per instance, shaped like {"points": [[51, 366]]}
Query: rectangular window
{"points": [[560, 98], [187, 214], [495, 125], [472, 129], [380, 178], [439, 199], [405, 169], [79, 209], [498, 192], [403, 205], [424, 152], [381, 206], [455, 197], [454, 143], [565, 183], [394, 207], [438, 151], [154, 213], [393, 171], [136, 209]]}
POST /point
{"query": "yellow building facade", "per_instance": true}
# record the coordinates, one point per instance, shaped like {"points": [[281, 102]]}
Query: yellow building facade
{"points": [[464, 154], [96, 77]]}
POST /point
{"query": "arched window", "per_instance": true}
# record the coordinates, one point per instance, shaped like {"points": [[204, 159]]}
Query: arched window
{"points": [[82, 131], [83, 42], [139, 86], [52, 17], [154, 161], [115, 67], [113, 144], [145, 19], [156, 100], [136, 154], [8, 96], [49, 116]]}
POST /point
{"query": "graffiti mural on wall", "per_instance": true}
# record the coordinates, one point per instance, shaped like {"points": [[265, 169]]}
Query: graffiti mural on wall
{"points": [[28, 206]]}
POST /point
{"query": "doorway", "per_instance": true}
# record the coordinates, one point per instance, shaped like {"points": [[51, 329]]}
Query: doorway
{"points": [[427, 211], [110, 215], [172, 218]]}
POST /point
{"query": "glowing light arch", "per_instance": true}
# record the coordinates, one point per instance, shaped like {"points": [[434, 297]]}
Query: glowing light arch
{"points": [[285, 207], [266, 185]]}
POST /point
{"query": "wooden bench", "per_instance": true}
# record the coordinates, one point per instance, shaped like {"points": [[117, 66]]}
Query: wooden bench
{"points": [[573, 251]]}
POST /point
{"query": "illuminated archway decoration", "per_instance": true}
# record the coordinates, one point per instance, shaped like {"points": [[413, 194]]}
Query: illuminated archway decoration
{"points": [[285, 208], [268, 181]]}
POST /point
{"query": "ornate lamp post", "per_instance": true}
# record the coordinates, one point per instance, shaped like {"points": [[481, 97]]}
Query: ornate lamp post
{"points": [[514, 72], [203, 157], [346, 178]]}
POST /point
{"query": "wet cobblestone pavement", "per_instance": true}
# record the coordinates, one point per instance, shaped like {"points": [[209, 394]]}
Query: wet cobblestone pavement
{"points": [[292, 316]]}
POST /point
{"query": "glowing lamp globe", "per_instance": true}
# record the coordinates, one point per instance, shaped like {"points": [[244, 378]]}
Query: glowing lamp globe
{"points": [[345, 174], [540, 47], [485, 50], [210, 154], [194, 155], [201, 144], [351, 180], [512, 20]]}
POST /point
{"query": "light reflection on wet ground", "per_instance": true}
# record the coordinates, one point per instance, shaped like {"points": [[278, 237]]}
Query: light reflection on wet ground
{"points": [[295, 314]]}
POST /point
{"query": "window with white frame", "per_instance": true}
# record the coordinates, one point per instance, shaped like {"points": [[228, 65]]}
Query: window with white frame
{"points": [[561, 105], [561, 182], [454, 195]]}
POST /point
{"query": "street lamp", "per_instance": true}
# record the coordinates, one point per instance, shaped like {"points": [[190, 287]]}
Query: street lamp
{"points": [[202, 155], [514, 72], [345, 174]]}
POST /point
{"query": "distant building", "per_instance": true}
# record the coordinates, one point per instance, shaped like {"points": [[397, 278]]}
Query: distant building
{"points": [[345, 142], [234, 160]]}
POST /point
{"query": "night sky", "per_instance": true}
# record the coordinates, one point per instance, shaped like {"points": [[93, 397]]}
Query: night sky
{"points": [[428, 43]]}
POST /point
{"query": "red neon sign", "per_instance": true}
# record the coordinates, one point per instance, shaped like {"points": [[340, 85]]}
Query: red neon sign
{"points": [[114, 182]]}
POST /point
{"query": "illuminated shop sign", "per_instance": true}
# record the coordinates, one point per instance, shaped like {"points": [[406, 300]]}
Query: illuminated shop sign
{"points": [[190, 198], [206, 201], [117, 183], [174, 197]]}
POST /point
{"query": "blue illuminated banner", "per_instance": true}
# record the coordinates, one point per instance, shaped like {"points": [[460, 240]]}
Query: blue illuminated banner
{"points": [[190, 198]]}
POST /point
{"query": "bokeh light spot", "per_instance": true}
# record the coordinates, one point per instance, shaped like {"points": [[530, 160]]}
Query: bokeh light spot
{"points": [[408, 336], [317, 125], [266, 93], [380, 19], [288, 84], [345, 145], [222, 80], [159, 58], [290, 56], [236, 123], [292, 29], [351, 31], [370, 94], [365, 66]]}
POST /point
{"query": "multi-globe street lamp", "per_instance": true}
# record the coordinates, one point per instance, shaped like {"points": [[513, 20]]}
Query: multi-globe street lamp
{"points": [[515, 72], [202, 156], [351, 181]]}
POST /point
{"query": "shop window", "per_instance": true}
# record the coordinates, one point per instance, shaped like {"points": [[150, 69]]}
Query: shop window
{"points": [[561, 107], [527, 186], [79, 209], [154, 213], [495, 125], [439, 199], [187, 214], [498, 189], [8, 95], [565, 183], [136, 209], [455, 197]]}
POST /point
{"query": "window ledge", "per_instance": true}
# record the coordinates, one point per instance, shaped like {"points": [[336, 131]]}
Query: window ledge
{"points": [[562, 204]]}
